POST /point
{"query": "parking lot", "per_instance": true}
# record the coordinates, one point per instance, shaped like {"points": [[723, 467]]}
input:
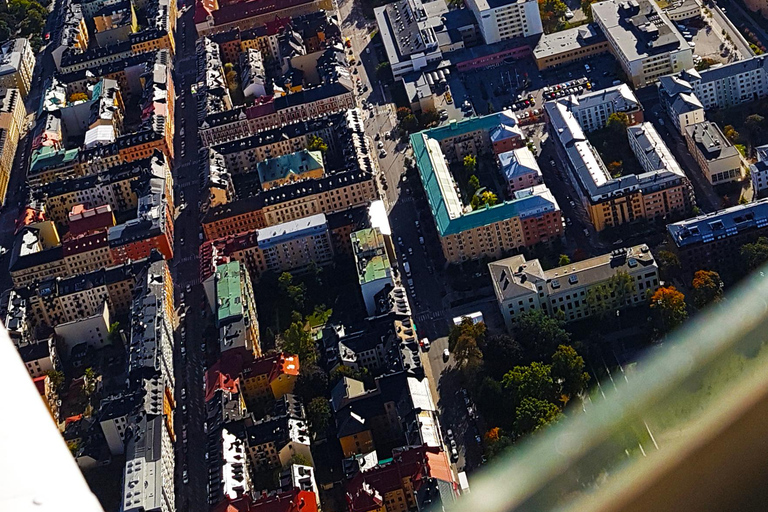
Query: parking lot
{"points": [[494, 88], [707, 41]]}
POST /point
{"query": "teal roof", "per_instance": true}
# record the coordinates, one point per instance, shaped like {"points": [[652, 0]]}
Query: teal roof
{"points": [[483, 217], [294, 163], [228, 291], [47, 157]]}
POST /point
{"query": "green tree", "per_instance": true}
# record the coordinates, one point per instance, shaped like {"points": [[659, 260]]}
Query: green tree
{"points": [[755, 254], [754, 124], [319, 414], [113, 333], [297, 340], [534, 380], [410, 124], [539, 334], [532, 414], [429, 117], [300, 460], [312, 382], [551, 11], [730, 133], [57, 379], [707, 288], [473, 183], [489, 198], [89, 381], [669, 306], [586, 8], [618, 123], [403, 112], [232, 82], [470, 164], [568, 371], [345, 371], [316, 143], [464, 342], [610, 295], [563, 260], [669, 264], [296, 293], [500, 354]]}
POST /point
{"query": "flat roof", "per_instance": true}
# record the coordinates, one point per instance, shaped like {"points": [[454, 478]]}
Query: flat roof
{"points": [[638, 27], [229, 300], [568, 40]]}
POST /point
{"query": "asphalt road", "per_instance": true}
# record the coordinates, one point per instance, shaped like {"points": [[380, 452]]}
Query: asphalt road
{"points": [[190, 368]]}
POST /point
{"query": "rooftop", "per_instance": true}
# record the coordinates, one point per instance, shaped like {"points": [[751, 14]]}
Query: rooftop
{"points": [[290, 166], [229, 300], [638, 28], [719, 225], [567, 40]]}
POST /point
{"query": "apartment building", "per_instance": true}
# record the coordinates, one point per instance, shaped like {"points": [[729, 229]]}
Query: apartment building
{"points": [[643, 40], [374, 270], [252, 73], [73, 35], [243, 154], [216, 180], [273, 442], [500, 20], [40, 357], [759, 171], [215, 16], [49, 164], [60, 300], [14, 317], [213, 92], [713, 241], [268, 113], [531, 217], [267, 378], [334, 193], [661, 191], [17, 62], [230, 295], [593, 109], [520, 169], [570, 45], [292, 246], [12, 122], [114, 24], [90, 331], [717, 157], [298, 166], [722, 86], [523, 286], [408, 481], [680, 102], [34, 258]]}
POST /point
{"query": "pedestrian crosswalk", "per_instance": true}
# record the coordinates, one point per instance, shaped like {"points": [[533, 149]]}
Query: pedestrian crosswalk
{"points": [[430, 315], [185, 259]]}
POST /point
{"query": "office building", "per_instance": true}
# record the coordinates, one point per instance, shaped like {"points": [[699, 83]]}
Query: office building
{"points": [[717, 157], [17, 62], [643, 40], [500, 20], [523, 286], [570, 45]]}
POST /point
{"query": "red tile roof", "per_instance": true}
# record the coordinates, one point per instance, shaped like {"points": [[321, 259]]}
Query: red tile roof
{"points": [[291, 501]]}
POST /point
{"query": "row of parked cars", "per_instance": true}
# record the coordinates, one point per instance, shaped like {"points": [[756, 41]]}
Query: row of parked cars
{"points": [[566, 88]]}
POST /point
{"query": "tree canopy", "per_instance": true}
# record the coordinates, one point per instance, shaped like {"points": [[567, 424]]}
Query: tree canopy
{"points": [[500, 354], [669, 305], [319, 414], [568, 370], [707, 288], [532, 414], [316, 143], [551, 11], [534, 380], [755, 254], [297, 340], [464, 342], [539, 334]]}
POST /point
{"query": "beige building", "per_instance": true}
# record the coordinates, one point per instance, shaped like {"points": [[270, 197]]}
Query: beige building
{"points": [[573, 291], [12, 121], [17, 63], [92, 330], [717, 157], [643, 40]]}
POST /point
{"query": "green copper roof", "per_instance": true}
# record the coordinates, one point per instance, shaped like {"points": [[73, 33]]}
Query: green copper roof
{"points": [[294, 163], [47, 157], [446, 225], [375, 268], [228, 291]]}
